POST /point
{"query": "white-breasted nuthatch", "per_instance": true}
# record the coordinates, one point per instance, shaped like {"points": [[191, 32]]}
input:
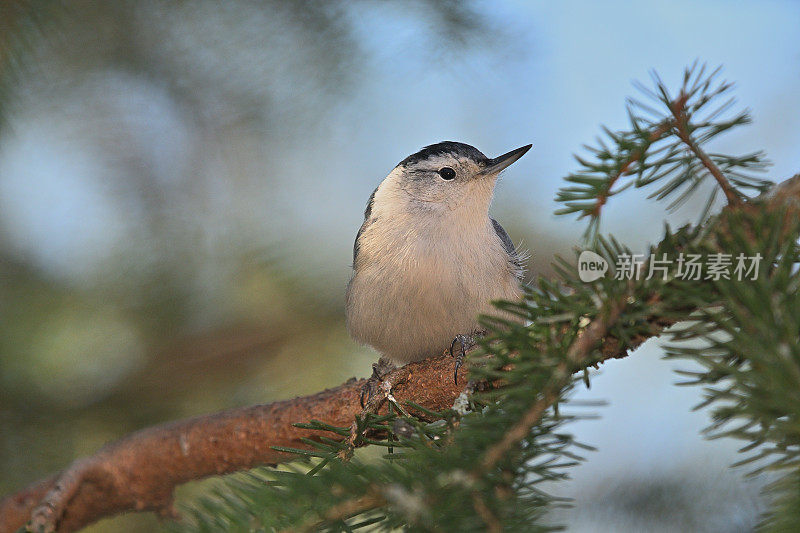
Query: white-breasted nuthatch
{"points": [[428, 258]]}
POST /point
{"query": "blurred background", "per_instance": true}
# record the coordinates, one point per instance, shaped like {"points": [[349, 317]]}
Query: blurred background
{"points": [[181, 184]]}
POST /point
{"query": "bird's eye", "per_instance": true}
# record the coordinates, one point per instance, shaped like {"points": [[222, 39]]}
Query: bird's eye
{"points": [[447, 173]]}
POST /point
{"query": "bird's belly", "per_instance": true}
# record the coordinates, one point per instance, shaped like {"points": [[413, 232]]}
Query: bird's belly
{"points": [[410, 311]]}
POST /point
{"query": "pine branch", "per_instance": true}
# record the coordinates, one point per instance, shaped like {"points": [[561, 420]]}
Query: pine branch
{"points": [[682, 127], [663, 144], [577, 356], [625, 166], [750, 359], [342, 511], [140, 471]]}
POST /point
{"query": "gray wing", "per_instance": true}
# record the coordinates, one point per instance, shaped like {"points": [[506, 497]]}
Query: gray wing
{"points": [[367, 222], [511, 250]]}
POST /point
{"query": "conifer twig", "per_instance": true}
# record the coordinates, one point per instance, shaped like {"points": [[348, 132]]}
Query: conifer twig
{"points": [[346, 509], [679, 112], [489, 519], [595, 336], [624, 169], [578, 352]]}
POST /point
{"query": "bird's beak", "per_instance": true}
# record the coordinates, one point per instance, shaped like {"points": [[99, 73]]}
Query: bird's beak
{"points": [[503, 161]]}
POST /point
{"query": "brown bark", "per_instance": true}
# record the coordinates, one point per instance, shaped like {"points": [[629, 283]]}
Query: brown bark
{"points": [[140, 471]]}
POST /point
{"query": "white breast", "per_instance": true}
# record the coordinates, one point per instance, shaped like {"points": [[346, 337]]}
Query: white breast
{"points": [[414, 290]]}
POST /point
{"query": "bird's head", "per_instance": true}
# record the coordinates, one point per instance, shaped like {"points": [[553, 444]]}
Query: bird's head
{"points": [[447, 176]]}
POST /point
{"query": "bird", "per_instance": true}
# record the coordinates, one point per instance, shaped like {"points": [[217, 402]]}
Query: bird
{"points": [[428, 259]]}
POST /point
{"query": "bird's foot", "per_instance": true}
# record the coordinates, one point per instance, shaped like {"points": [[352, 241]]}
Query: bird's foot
{"points": [[376, 389], [380, 370], [465, 342]]}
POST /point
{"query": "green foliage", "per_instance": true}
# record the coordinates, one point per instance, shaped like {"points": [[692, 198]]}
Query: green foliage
{"points": [[653, 151], [483, 468], [746, 344]]}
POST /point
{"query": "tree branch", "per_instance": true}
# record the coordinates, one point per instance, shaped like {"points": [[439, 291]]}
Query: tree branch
{"points": [[786, 194], [578, 351], [346, 509], [634, 157], [139, 472], [679, 112]]}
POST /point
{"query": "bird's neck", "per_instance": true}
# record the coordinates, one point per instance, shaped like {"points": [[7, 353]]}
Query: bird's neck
{"points": [[436, 223]]}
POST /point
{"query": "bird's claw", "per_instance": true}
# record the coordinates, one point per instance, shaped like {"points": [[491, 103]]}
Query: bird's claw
{"points": [[369, 389], [466, 342], [379, 371]]}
